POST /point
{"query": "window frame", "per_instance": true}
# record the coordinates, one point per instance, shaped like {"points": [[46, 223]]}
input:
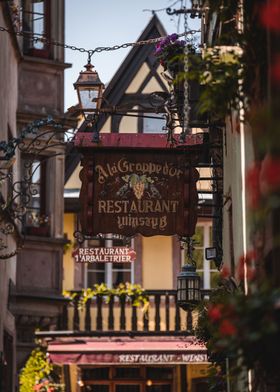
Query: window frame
{"points": [[27, 23], [109, 267], [42, 226], [160, 117], [206, 270]]}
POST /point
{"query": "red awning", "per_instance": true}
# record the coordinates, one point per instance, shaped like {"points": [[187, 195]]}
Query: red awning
{"points": [[136, 140], [127, 351]]}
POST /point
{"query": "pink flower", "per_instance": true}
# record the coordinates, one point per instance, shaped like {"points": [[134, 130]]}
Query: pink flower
{"points": [[227, 328], [270, 15]]}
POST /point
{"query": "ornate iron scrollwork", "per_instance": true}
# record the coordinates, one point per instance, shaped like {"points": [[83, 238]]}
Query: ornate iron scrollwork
{"points": [[42, 138]]}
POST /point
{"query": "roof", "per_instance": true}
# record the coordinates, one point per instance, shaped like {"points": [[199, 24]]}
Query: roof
{"points": [[122, 78]]}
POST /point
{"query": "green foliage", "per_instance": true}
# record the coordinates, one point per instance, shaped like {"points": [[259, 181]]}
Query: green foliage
{"points": [[218, 72], [133, 292], [39, 374], [232, 56], [243, 328]]}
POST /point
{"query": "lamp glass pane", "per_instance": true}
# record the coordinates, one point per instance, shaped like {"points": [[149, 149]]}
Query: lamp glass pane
{"points": [[88, 98]]}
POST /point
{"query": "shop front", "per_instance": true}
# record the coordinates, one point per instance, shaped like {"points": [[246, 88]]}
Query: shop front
{"points": [[123, 364]]}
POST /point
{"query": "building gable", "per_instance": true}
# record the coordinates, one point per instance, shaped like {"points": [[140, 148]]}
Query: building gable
{"points": [[130, 88]]}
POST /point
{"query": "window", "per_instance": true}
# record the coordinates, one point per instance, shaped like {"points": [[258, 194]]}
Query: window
{"points": [[110, 273], [127, 373], [35, 20], [99, 373], [97, 388], [205, 268], [34, 193], [154, 125], [128, 379]]}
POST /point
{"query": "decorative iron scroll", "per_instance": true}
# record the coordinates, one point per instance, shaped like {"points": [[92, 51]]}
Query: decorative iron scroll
{"points": [[147, 192], [42, 138]]}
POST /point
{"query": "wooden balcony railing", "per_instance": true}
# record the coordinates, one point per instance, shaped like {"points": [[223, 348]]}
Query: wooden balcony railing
{"points": [[118, 316]]}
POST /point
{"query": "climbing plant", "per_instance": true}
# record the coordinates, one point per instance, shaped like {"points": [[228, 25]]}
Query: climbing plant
{"points": [[39, 374]]}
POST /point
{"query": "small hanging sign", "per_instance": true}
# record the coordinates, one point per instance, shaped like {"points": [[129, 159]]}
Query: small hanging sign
{"points": [[115, 254]]}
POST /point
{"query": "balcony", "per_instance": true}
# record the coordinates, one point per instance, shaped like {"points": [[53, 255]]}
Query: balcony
{"points": [[118, 317]]}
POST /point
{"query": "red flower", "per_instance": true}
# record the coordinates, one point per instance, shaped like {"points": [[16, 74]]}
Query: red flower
{"points": [[253, 184], [248, 260], [214, 313], [270, 175], [270, 15], [225, 272], [275, 69], [227, 328]]}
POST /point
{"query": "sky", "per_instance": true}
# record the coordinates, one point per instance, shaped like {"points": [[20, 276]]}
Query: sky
{"points": [[93, 23]]}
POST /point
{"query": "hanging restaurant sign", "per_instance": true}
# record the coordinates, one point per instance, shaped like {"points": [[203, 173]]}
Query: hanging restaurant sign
{"points": [[130, 191], [115, 254]]}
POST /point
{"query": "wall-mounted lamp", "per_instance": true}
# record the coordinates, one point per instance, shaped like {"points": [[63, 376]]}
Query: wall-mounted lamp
{"points": [[210, 253]]}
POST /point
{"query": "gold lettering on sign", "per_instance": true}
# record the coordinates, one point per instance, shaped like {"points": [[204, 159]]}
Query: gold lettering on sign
{"points": [[123, 166], [134, 222], [137, 206]]}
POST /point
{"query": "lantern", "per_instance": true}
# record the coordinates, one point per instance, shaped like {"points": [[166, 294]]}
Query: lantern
{"points": [[188, 287], [90, 89]]}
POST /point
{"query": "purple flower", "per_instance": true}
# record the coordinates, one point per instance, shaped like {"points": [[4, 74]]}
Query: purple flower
{"points": [[158, 51], [166, 41], [168, 45], [173, 36]]}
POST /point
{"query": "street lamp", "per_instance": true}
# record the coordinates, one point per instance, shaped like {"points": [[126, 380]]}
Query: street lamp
{"points": [[188, 283], [90, 89]]}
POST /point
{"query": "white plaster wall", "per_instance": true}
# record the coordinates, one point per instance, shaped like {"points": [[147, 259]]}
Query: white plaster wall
{"points": [[129, 124], [138, 79], [74, 181], [233, 188]]}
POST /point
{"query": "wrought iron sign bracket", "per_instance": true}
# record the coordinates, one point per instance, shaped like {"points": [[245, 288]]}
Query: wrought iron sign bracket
{"points": [[45, 138]]}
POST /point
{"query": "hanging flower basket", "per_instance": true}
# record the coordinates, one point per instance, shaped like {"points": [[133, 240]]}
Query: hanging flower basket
{"points": [[170, 52]]}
